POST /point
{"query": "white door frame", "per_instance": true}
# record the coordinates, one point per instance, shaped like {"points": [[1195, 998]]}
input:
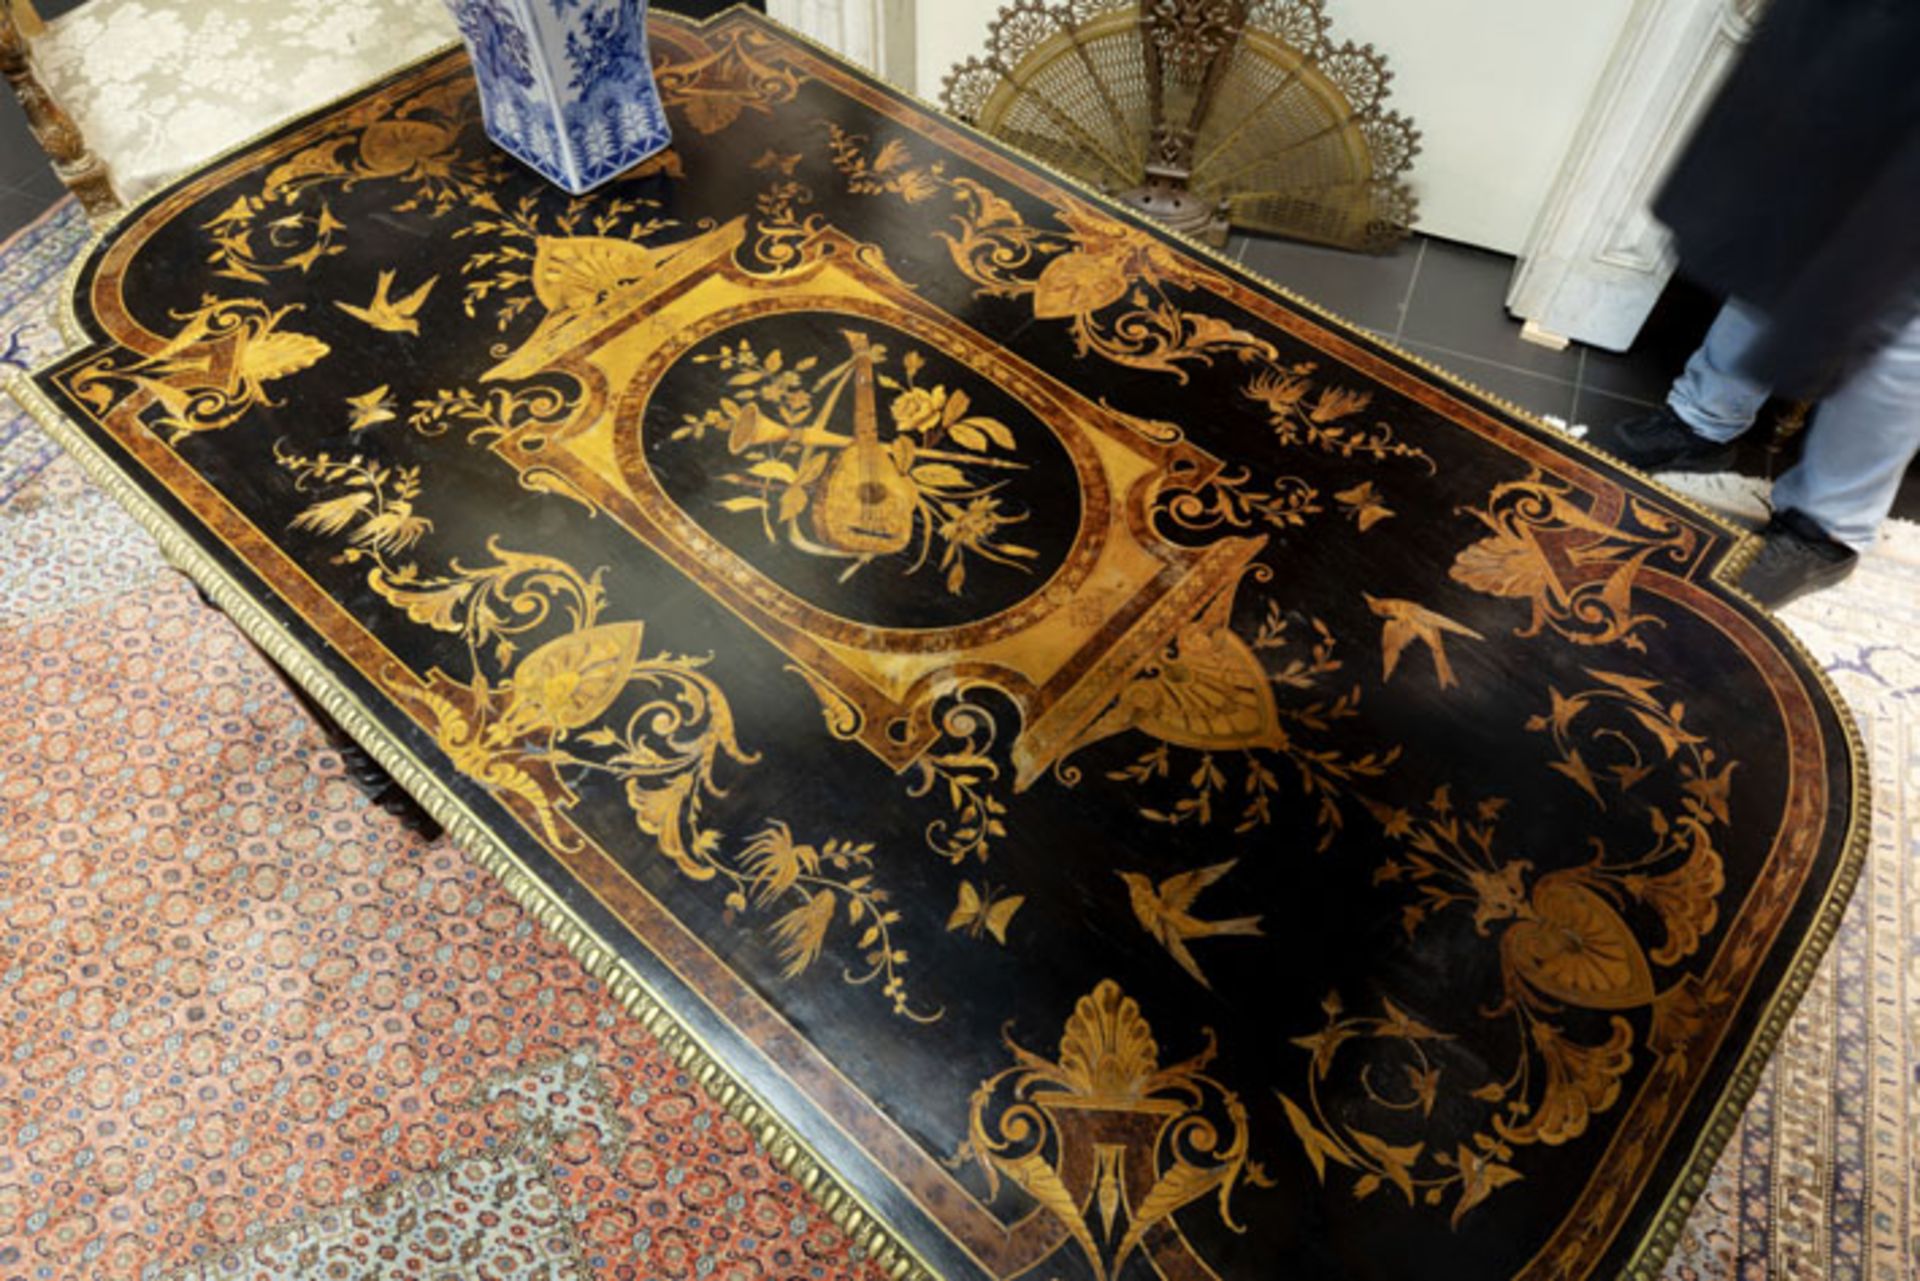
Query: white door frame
{"points": [[1596, 260], [876, 34]]}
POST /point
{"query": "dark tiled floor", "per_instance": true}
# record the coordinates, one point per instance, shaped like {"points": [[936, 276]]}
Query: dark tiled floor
{"points": [[1543, 394], [28, 187], [1446, 303], [1460, 305], [27, 184]]}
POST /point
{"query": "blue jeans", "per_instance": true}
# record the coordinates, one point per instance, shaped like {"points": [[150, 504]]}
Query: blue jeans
{"points": [[1860, 440]]}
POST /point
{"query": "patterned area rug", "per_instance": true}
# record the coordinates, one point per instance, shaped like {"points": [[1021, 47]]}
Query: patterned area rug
{"points": [[33, 263], [252, 1028]]}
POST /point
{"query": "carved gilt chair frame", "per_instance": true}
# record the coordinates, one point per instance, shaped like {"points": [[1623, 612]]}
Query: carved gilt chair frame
{"points": [[84, 173]]}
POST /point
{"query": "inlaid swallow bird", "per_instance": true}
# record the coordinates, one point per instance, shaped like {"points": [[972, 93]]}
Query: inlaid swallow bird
{"points": [[1408, 622], [395, 317], [1163, 911]]}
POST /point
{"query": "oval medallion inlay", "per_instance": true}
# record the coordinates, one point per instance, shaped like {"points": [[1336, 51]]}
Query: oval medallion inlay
{"points": [[863, 469]]}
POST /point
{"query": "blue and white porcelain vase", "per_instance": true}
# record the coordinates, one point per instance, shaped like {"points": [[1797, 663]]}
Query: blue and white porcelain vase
{"points": [[566, 85]]}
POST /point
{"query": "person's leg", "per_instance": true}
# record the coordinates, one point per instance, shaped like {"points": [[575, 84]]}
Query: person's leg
{"points": [[1708, 406], [1859, 444], [1712, 396]]}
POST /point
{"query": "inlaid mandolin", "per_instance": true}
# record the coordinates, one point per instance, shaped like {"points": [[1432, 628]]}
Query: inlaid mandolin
{"points": [[865, 505]]}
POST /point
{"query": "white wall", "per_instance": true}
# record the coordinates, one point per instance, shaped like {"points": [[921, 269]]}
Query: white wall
{"points": [[876, 34], [1496, 87]]}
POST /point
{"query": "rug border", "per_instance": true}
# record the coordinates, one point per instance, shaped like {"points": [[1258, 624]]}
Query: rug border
{"points": [[868, 1231]]}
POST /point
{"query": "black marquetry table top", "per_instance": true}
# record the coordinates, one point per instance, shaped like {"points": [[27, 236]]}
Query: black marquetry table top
{"points": [[1116, 773]]}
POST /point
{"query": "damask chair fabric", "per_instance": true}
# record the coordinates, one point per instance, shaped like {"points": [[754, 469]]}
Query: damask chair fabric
{"points": [[159, 86]]}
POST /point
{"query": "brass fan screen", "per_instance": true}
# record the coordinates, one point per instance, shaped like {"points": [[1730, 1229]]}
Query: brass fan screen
{"points": [[1203, 113]]}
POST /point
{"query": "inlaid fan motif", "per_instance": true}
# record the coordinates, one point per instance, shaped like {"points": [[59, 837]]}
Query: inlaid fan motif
{"points": [[1202, 113]]}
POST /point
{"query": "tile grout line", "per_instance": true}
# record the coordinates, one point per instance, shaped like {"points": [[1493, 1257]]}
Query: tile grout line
{"points": [[1413, 280], [1579, 387]]}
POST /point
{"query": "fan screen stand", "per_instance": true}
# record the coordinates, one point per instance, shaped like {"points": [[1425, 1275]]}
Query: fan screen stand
{"points": [[1201, 113], [1166, 198], [1187, 44]]}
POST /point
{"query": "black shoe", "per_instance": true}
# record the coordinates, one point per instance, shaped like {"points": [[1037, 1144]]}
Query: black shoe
{"points": [[1660, 440], [1796, 557]]}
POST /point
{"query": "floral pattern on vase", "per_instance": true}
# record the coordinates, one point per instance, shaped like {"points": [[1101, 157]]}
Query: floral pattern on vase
{"points": [[566, 86]]}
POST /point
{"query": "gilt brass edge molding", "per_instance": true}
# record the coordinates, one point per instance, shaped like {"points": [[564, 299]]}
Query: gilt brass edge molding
{"points": [[76, 335], [789, 1151], [1649, 1256], [64, 317], [67, 315]]}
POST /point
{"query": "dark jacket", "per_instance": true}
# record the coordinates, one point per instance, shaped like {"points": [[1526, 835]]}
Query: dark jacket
{"points": [[1800, 191]]}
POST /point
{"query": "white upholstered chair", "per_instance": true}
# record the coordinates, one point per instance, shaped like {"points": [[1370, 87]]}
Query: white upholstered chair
{"points": [[125, 95]]}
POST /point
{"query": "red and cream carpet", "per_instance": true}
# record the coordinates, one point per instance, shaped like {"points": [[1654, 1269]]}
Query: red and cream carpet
{"points": [[252, 1028]]}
